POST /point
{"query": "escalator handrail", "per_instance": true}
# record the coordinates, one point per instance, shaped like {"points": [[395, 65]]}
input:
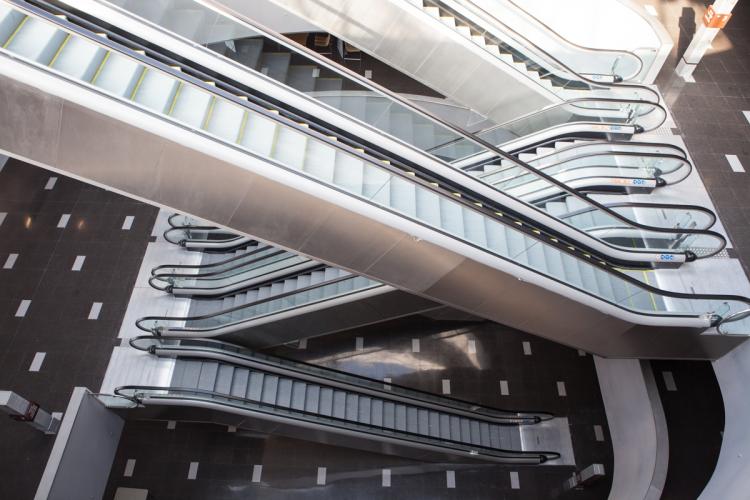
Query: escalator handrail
{"points": [[570, 102], [427, 179], [155, 270], [170, 221], [527, 230], [426, 114], [579, 46], [216, 397], [208, 229], [636, 154], [240, 352], [737, 316], [238, 286], [215, 274], [650, 205], [550, 57], [593, 142], [139, 322]]}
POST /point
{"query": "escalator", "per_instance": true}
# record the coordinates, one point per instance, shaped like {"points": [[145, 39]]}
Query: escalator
{"points": [[309, 190], [262, 296], [391, 114], [599, 64], [326, 405], [451, 33], [205, 238]]}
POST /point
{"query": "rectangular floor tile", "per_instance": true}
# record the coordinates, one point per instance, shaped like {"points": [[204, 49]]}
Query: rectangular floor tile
{"points": [[735, 164], [23, 308], [96, 309], [10, 261], [36, 363], [193, 470], [128, 223]]}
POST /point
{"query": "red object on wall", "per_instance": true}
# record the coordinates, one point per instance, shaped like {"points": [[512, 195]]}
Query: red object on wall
{"points": [[713, 20]]}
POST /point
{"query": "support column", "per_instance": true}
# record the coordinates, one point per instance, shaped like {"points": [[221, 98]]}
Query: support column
{"points": [[716, 17]]}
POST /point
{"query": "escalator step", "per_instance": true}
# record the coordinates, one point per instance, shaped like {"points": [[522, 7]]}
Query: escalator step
{"points": [[239, 382], [400, 417], [224, 379], [326, 401], [255, 386], [298, 395], [377, 413], [365, 410], [389, 415], [352, 407], [284, 392], [207, 377], [312, 398], [270, 389], [339, 404], [412, 419]]}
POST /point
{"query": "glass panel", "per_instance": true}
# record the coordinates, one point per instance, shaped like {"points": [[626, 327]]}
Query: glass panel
{"points": [[269, 136]]}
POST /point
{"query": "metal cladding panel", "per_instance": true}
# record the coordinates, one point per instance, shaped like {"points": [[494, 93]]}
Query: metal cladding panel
{"points": [[355, 248], [279, 214], [30, 123], [375, 309], [414, 265], [108, 151]]}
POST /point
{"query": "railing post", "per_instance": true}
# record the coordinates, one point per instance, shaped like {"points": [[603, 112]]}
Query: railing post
{"points": [[716, 17]]}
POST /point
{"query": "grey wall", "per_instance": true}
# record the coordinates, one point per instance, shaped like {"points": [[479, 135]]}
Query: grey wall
{"points": [[83, 452]]}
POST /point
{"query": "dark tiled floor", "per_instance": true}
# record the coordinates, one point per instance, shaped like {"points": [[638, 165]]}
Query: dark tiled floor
{"points": [[709, 112], [290, 466], [695, 418], [710, 119], [77, 349]]}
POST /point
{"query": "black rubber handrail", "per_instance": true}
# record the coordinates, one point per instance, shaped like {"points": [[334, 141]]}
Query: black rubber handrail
{"points": [[460, 17], [572, 43], [171, 222], [649, 205], [213, 274], [526, 417], [532, 229], [155, 331], [557, 241], [208, 229], [611, 154], [593, 142], [260, 248], [290, 413], [262, 280]]}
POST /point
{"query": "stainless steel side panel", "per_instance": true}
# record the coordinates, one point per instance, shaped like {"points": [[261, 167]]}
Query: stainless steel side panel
{"points": [[250, 196], [406, 38]]}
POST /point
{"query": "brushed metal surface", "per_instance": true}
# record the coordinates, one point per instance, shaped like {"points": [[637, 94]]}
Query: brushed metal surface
{"points": [[30, 123], [254, 197]]}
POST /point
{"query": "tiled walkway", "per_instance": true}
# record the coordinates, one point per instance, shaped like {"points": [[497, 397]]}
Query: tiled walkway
{"points": [[69, 254]]}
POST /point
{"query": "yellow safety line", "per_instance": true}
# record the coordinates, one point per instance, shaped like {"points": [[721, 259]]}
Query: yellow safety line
{"points": [[174, 100], [274, 139], [15, 32], [59, 50], [101, 66], [138, 83], [210, 112], [651, 295], [241, 133]]}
